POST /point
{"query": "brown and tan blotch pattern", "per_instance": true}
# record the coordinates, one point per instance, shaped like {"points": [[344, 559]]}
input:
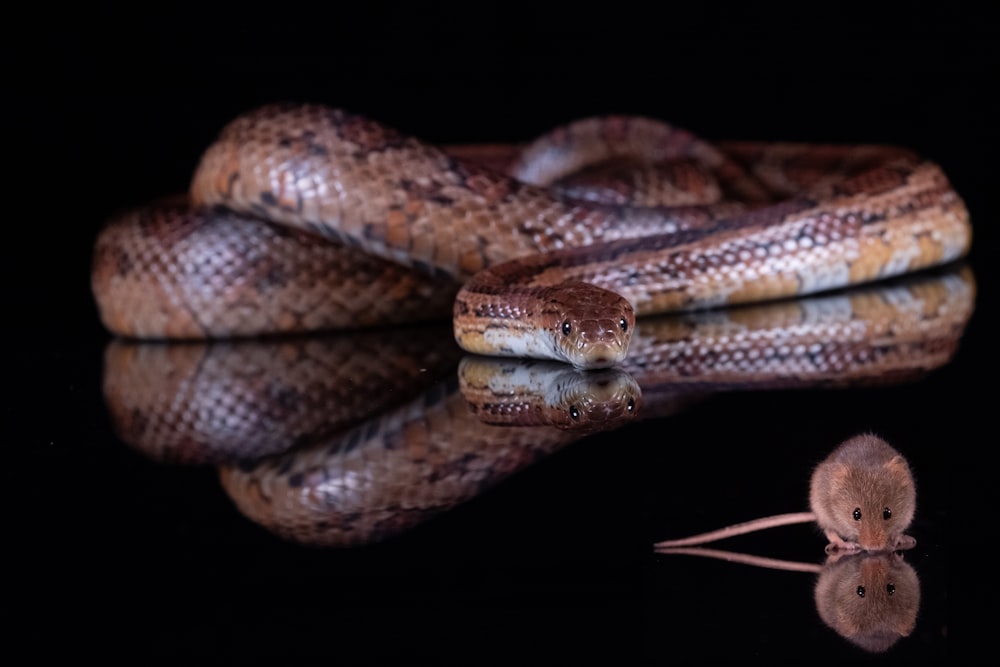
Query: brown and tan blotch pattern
{"points": [[290, 196]]}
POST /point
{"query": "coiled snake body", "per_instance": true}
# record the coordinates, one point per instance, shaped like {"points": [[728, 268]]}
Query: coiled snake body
{"points": [[542, 272]]}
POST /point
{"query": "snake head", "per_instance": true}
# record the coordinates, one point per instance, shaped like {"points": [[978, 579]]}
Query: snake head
{"points": [[591, 326]]}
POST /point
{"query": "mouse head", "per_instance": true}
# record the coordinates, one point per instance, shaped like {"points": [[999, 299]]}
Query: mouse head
{"points": [[879, 500]]}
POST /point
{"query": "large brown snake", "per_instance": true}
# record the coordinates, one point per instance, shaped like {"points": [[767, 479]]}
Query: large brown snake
{"points": [[542, 272]]}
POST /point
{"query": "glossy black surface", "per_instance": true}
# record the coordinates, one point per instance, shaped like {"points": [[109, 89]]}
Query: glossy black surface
{"points": [[113, 553]]}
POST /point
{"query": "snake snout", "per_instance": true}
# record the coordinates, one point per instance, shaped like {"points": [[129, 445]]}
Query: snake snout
{"points": [[601, 343]]}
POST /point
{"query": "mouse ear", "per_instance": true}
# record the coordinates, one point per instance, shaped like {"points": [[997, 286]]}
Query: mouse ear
{"points": [[898, 468], [839, 473]]}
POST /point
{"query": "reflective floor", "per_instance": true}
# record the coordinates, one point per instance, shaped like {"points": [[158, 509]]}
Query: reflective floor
{"points": [[216, 493], [323, 496]]}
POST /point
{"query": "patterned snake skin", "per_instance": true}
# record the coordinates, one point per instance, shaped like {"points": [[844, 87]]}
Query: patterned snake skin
{"points": [[523, 251]]}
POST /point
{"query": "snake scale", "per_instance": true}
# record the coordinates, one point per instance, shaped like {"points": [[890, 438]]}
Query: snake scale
{"points": [[503, 238]]}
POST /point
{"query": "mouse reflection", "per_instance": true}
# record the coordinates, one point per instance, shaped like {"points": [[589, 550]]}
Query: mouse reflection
{"points": [[870, 599]]}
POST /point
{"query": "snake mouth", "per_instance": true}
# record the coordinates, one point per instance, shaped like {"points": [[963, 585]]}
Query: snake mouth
{"points": [[599, 355]]}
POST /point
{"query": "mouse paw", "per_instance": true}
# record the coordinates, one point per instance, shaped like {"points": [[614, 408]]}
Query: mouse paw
{"points": [[841, 547], [904, 542]]}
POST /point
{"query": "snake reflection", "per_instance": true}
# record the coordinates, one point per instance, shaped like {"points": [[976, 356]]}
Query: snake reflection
{"points": [[334, 441]]}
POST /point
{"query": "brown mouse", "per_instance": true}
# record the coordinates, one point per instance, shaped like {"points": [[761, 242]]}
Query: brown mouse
{"points": [[862, 497], [871, 600]]}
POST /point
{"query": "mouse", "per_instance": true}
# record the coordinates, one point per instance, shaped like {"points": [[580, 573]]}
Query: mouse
{"points": [[872, 600], [862, 497]]}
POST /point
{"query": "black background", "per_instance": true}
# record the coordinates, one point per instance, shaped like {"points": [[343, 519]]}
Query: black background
{"points": [[109, 108]]}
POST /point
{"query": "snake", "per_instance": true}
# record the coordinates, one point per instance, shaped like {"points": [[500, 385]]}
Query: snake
{"points": [[303, 217]]}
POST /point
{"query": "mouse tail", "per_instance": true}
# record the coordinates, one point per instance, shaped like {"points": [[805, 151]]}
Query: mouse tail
{"points": [[738, 529], [746, 559]]}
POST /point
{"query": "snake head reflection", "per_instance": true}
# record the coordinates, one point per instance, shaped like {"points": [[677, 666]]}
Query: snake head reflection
{"points": [[518, 392], [595, 401], [592, 327]]}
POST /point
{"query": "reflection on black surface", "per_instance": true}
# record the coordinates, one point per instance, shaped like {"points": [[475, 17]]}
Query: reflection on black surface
{"points": [[884, 334], [534, 393], [870, 599], [389, 473], [350, 439], [221, 401]]}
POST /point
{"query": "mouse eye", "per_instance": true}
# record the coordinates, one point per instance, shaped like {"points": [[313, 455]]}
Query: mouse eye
{"points": [[857, 514], [890, 588], [886, 513], [574, 412], [861, 591], [623, 323], [566, 328], [631, 405]]}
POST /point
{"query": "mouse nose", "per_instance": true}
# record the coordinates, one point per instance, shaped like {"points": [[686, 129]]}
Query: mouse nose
{"points": [[872, 537]]}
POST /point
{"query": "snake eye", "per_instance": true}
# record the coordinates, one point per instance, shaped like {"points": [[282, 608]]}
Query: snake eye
{"points": [[566, 328], [857, 514], [623, 323], [886, 513], [574, 413], [861, 591], [890, 588]]}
